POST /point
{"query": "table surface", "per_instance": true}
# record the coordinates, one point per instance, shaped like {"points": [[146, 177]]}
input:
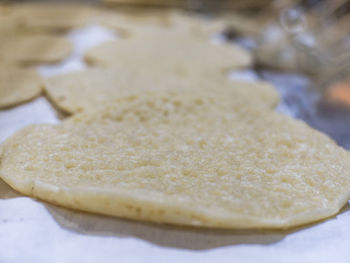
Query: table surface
{"points": [[35, 231]]}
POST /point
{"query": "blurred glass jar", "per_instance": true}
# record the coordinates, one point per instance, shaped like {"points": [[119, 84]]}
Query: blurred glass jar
{"points": [[312, 38]]}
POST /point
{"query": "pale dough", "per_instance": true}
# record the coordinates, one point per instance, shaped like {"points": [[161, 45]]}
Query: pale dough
{"points": [[18, 85], [174, 22], [34, 49], [177, 158], [169, 51], [50, 17], [196, 25], [129, 23], [91, 88], [161, 3]]}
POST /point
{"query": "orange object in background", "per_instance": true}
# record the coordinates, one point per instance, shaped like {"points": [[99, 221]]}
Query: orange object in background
{"points": [[339, 92]]}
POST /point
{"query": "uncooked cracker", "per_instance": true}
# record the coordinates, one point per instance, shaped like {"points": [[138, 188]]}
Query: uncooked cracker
{"points": [[206, 27], [18, 85], [33, 49], [50, 17], [198, 26], [176, 52], [147, 3], [7, 24], [174, 158], [91, 88], [128, 23], [176, 23]]}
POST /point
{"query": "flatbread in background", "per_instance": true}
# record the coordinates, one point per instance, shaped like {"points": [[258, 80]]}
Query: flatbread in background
{"points": [[18, 85], [7, 21], [5, 9], [161, 3], [136, 23], [128, 23], [7, 25], [89, 89], [50, 17], [197, 102], [174, 158], [175, 22], [199, 5], [198, 26], [34, 49], [170, 51], [162, 22], [207, 27]]}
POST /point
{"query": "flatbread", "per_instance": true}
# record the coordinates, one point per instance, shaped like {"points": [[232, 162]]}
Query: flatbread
{"points": [[33, 49], [18, 85], [177, 159], [128, 23], [157, 21], [206, 27], [161, 3], [91, 88], [50, 17], [7, 24], [194, 104], [169, 51], [202, 27]]}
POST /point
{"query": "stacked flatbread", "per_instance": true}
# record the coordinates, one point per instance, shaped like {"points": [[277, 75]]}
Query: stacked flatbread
{"points": [[46, 17], [29, 39], [33, 37], [158, 133]]}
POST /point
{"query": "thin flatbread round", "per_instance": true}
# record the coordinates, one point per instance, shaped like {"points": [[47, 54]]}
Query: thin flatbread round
{"points": [[147, 3], [177, 159], [196, 25], [18, 85], [34, 49], [7, 24], [92, 88], [128, 22], [176, 23], [206, 27], [50, 17], [169, 51]]}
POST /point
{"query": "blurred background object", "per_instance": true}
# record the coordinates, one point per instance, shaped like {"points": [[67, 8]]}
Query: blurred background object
{"points": [[312, 38]]}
